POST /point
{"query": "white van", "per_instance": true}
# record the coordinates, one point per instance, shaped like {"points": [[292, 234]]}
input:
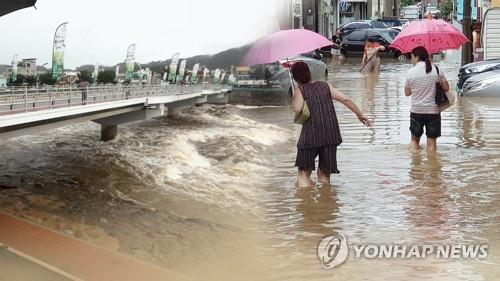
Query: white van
{"points": [[410, 12], [491, 34]]}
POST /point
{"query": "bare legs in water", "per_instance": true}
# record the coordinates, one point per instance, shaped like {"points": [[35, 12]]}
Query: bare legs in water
{"points": [[431, 145], [304, 178]]}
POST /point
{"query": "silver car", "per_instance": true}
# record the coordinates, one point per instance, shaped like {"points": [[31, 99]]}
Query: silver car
{"points": [[483, 85], [319, 70]]}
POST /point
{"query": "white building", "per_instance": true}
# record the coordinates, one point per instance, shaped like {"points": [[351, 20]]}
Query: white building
{"points": [[26, 67], [387, 8], [3, 81], [325, 16]]}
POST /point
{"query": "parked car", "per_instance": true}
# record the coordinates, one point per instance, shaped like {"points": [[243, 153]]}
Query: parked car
{"points": [[353, 44], [404, 22], [472, 69], [397, 28], [392, 22], [364, 24], [486, 84], [319, 70]]}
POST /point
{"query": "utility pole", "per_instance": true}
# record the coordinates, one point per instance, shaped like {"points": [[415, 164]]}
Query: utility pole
{"points": [[467, 30]]}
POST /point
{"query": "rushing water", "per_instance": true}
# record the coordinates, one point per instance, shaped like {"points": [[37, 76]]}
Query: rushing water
{"points": [[211, 193]]}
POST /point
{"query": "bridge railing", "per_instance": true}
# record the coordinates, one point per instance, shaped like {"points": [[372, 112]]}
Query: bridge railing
{"points": [[23, 99]]}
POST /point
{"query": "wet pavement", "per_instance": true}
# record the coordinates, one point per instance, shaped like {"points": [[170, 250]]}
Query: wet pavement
{"points": [[14, 267], [211, 193]]}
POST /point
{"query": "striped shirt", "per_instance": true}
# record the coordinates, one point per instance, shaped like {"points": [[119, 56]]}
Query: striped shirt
{"points": [[322, 128], [423, 88]]}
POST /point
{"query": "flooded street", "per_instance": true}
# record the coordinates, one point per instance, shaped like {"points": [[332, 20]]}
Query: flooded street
{"points": [[211, 193]]}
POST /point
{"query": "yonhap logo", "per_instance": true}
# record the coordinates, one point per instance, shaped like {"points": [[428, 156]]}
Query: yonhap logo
{"points": [[332, 251]]}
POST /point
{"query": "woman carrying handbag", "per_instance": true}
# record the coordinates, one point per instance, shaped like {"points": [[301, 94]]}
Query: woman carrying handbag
{"points": [[320, 133], [427, 86]]}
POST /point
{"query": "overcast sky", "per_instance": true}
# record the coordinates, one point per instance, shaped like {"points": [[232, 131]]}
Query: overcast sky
{"points": [[100, 31]]}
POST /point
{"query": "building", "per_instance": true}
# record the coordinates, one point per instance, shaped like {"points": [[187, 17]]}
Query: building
{"points": [[318, 16], [385, 8], [289, 14], [315, 15], [3, 81], [26, 67], [354, 10], [325, 16]]}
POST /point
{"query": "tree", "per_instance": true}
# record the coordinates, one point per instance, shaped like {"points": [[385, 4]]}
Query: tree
{"points": [[46, 79], [85, 75], [446, 7], [106, 77], [405, 3], [22, 80]]}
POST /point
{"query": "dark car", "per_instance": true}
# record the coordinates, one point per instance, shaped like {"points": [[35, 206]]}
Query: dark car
{"points": [[472, 69], [353, 44], [392, 22], [364, 24]]}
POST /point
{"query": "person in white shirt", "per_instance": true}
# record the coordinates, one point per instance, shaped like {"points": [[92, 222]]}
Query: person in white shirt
{"points": [[421, 86]]}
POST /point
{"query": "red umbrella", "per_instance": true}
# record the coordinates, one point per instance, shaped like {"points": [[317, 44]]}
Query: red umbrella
{"points": [[9, 6], [433, 35]]}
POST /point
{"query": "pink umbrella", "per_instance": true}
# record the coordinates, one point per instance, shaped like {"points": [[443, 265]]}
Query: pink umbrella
{"points": [[284, 44], [433, 35]]}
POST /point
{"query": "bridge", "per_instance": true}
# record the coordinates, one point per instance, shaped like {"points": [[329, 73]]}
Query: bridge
{"points": [[26, 111]]}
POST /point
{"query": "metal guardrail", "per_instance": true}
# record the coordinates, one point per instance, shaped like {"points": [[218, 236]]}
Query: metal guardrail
{"points": [[23, 99]]}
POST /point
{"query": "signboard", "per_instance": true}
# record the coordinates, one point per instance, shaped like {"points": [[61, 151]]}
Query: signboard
{"points": [[96, 72], [117, 72], [13, 77], [58, 53], [182, 71], [172, 69], [217, 74], [130, 62], [194, 75], [460, 10], [206, 72]]}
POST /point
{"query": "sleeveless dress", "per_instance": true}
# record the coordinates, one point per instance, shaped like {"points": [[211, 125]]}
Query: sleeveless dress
{"points": [[320, 134]]}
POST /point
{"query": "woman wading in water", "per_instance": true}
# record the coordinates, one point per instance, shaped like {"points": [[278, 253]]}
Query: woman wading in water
{"points": [[371, 60], [421, 87], [320, 133]]}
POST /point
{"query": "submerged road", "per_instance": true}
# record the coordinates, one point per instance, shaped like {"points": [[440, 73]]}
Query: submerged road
{"points": [[210, 193]]}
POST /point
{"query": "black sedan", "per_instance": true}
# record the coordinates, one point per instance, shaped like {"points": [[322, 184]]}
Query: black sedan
{"points": [[353, 44], [364, 24]]}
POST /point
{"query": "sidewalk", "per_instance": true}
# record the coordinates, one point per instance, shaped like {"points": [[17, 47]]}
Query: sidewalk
{"points": [[55, 254], [17, 268]]}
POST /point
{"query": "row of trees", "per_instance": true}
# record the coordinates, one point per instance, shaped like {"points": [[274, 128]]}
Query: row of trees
{"points": [[31, 80], [104, 77]]}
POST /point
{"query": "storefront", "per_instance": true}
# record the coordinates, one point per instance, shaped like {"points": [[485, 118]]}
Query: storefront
{"points": [[353, 10]]}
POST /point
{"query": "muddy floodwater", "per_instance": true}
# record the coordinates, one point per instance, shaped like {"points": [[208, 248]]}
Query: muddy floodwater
{"points": [[211, 193]]}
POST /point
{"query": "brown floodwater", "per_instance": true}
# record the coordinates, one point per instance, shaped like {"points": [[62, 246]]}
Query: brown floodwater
{"points": [[211, 193]]}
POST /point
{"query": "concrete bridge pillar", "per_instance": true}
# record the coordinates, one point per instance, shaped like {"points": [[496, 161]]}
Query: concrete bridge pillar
{"points": [[109, 132], [172, 111]]}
